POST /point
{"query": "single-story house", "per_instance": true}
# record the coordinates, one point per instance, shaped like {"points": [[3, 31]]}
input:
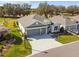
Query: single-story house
{"points": [[62, 20], [69, 23], [36, 25], [74, 27]]}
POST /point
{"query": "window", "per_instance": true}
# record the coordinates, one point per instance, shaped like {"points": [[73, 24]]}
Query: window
{"points": [[56, 28], [78, 26], [67, 27], [74, 26]]}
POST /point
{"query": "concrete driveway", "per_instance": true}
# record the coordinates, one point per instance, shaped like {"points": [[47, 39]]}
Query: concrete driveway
{"points": [[42, 43]]}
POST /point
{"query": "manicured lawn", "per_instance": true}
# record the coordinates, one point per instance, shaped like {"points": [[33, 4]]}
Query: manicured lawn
{"points": [[5, 19], [67, 14], [67, 38], [18, 48]]}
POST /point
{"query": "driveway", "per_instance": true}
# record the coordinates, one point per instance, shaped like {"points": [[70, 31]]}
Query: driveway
{"points": [[42, 43]]}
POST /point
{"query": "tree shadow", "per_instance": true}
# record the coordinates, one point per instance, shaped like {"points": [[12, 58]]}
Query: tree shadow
{"points": [[18, 40], [56, 34]]}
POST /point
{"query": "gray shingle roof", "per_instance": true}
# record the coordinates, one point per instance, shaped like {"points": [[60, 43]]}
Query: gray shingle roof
{"points": [[63, 20], [75, 18], [29, 20]]}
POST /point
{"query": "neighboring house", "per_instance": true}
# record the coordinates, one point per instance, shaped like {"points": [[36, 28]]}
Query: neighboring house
{"points": [[36, 25], [59, 20], [69, 23], [62, 20], [74, 27]]}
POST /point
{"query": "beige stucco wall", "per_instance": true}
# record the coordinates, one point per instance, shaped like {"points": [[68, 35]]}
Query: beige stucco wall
{"points": [[53, 26], [21, 28]]}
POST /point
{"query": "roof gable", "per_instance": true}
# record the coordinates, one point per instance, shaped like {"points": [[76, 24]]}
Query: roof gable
{"points": [[27, 21], [36, 24]]}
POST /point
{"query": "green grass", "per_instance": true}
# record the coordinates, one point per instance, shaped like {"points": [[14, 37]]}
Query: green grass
{"points": [[17, 49], [5, 19], [10, 24], [67, 14], [15, 32], [67, 38]]}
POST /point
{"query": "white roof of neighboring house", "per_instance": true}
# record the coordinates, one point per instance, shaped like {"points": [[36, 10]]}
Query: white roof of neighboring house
{"points": [[75, 18], [57, 19], [63, 20], [29, 20]]}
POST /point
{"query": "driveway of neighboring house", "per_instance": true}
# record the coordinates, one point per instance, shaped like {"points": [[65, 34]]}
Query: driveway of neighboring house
{"points": [[42, 43]]}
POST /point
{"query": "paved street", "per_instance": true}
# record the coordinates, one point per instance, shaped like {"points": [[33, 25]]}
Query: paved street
{"points": [[68, 50]]}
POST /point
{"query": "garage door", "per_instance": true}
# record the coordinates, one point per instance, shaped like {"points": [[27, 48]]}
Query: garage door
{"points": [[35, 32], [43, 31]]}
